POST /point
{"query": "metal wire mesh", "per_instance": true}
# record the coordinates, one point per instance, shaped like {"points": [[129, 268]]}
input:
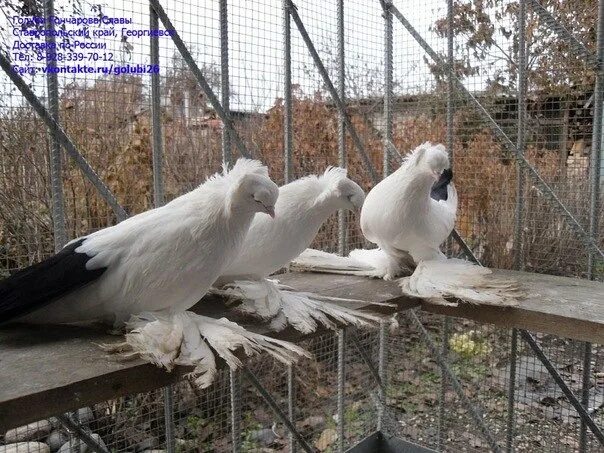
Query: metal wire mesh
{"points": [[479, 355], [109, 120]]}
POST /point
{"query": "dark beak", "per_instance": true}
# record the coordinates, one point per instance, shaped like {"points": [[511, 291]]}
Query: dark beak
{"points": [[270, 210]]}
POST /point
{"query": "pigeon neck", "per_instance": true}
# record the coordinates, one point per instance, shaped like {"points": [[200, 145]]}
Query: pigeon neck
{"points": [[418, 187]]}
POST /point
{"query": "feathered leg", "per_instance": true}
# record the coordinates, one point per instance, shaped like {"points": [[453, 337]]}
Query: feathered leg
{"points": [[302, 310], [189, 339], [439, 280], [374, 263]]}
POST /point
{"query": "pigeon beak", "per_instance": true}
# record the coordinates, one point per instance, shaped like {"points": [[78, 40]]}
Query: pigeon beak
{"points": [[270, 210], [435, 175]]}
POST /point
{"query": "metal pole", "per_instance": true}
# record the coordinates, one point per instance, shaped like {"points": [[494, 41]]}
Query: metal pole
{"points": [[341, 387], [509, 443], [82, 434], [450, 83], [74, 428], [444, 349], [585, 385], [158, 186], [442, 422], [596, 182], [158, 195], [291, 396], [520, 139], [382, 371], [387, 84], [235, 380], [595, 174], [287, 94], [169, 418], [224, 77], [56, 179], [341, 122], [518, 212]]}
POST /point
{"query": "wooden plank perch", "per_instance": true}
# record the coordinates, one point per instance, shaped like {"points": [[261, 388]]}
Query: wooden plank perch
{"points": [[45, 370]]}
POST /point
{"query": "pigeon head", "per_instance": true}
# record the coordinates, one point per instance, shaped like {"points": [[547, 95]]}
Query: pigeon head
{"points": [[253, 190], [434, 160], [351, 194], [338, 187], [259, 193]]}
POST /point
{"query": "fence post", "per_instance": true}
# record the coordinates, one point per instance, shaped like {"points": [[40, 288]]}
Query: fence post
{"points": [[585, 384], [291, 396], [518, 213], [56, 179], [341, 387], [596, 158], [520, 139], [382, 373], [442, 426], [224, 78], [235, 380], [511, 407], [387, 85], [169, 418], [596, 183], [158, 194], [342, 242], [442, 406], [157, 144], [287, 94]]}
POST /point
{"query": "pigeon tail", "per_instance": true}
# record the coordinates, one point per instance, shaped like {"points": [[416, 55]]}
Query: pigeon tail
{"points": [[454, 281], [193, 340]]}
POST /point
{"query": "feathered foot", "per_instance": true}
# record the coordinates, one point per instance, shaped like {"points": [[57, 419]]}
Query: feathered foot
{"points": [[302, 310], [374, 263], [439, 280], [190, 339]]}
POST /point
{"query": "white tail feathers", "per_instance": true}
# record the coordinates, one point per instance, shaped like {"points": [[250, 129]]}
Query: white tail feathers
{"points": [[302, 310], [188, 339], [439, 280], [373, 263]]}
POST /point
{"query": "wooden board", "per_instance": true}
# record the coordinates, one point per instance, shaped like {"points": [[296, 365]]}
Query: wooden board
{"points": [[45, 370], [562, 306], [49, 370]]}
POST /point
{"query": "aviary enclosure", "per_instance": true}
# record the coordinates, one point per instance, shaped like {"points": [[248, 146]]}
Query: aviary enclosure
{"points": [[514, 89]]}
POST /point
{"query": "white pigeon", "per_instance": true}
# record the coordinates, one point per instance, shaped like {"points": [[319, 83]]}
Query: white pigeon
{"points": [[157, 264], [407, 215], [303, 206]]}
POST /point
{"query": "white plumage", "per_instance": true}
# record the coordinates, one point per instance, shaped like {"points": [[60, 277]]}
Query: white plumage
{"points": [[183, 339], [399, 214], [165, 259], [374, 263], [161, 262], [303, 206], [408, 215]]}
